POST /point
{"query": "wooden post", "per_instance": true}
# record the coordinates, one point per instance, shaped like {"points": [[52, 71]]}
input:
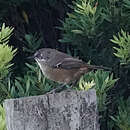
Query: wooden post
{"points": [[68, 110]]}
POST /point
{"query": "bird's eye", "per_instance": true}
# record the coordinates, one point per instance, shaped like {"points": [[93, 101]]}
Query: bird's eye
{"points": [[39, 56]]}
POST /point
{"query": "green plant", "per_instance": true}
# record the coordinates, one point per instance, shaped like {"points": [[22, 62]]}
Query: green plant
{"points": [[5, 34], [81, 22], [85, 29], [122, 118], [123, 49], [85, 85], [40, 84], [32, 42], [6, 52], [126, 14], [6, 55], [32, 83], [2, 118], [102, 81]]}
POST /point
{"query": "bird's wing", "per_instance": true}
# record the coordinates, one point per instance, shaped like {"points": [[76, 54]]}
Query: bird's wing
{"points": [[69, 63]]}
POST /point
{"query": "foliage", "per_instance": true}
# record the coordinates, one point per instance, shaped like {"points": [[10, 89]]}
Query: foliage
{"points": [[85, 85], [32, 42], [5, 34], [83, 30], [126, 14], [6, 55], [81, 22], [88, 28], [2, 118], [32, 83], [123, 49], [86, 33], [6, 52], [122, 118], [103, 82], [100, 80]]}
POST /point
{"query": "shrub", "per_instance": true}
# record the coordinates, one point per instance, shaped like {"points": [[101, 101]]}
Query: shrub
{"points": [[2, 118], [122, 118], [123, 48]]}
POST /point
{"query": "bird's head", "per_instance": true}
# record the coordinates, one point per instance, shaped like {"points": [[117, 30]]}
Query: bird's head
{"points": [[44, 55]]}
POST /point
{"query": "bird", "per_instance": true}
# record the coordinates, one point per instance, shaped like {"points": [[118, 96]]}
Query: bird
{"points": [[61, 67]]}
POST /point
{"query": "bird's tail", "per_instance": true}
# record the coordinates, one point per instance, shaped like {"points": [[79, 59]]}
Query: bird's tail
{"points": [[94, 67]]}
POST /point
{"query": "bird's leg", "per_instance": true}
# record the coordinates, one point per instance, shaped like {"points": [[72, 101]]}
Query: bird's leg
{"points": [[62, 86], [57, 88], [73, 84]]}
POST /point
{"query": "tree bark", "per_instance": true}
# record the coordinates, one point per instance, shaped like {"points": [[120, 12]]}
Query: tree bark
{"points": [[68, 110]]}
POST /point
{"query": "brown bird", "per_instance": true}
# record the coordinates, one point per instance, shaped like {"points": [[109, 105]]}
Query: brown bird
{"points": [[61, 67]]}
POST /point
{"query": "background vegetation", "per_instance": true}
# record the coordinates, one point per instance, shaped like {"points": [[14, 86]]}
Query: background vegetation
{"points": [[96, 31]]}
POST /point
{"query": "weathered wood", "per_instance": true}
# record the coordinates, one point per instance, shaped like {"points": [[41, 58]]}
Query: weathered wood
{"points": [[68, 110]]}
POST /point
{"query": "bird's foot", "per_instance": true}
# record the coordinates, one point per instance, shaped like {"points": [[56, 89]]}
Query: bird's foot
{"points": [[57, 89]]}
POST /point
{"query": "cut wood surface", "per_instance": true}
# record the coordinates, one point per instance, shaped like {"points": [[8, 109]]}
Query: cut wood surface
{"points": [[67, 110]]}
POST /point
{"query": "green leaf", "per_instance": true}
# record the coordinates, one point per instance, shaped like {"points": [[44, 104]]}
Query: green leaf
{"points": [[6, 52], [123, 51], [77, 31], [27, 86], [20, 88], [2, 118]]}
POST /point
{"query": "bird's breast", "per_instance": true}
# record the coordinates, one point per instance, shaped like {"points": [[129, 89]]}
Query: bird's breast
{"points": [[60, 75]]}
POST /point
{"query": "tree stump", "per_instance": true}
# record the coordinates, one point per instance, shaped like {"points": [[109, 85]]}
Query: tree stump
{"points": [[68, 110]]}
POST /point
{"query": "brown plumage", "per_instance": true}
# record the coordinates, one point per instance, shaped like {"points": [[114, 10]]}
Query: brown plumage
{"points": [[61, 67]]}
